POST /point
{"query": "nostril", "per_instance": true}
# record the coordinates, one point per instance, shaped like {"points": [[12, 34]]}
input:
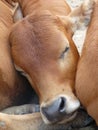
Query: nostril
{"points": [[62, 105], [56, 110]]}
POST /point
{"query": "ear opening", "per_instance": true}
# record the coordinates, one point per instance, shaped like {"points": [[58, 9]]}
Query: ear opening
{"points": [[17, 13]]}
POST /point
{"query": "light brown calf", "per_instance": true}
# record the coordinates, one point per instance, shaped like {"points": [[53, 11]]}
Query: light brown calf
{"points": [[35, 122], [13, 86], [87, 73], [44, 52]]}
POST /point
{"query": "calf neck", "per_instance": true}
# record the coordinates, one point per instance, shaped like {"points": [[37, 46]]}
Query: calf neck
{"points": [[87, 72]]}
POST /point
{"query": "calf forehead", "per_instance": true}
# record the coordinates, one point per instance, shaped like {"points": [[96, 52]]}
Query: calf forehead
{"points": [[41, 38]]}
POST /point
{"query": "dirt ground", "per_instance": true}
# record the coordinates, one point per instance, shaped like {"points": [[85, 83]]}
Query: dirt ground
{"points": [[80, 34]]}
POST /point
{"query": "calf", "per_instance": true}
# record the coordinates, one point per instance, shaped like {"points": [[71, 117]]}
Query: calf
{"points": [[44, 52], [34, 122], [87, 72], [14, 89]]}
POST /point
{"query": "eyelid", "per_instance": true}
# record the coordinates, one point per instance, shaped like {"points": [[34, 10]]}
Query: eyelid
{"points": [[66, 49], [62, 55]]}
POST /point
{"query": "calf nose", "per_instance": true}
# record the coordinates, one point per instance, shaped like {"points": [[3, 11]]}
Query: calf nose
{"points": [[56, 110]]}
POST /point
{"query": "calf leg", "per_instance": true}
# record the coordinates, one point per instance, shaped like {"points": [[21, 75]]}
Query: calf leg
{"points": [[23, 109], [34, 122]]}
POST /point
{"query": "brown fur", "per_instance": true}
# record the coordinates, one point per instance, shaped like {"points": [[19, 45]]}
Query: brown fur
{"points": [[87, 72], [38, 43], [13, 86], [33, 6]]}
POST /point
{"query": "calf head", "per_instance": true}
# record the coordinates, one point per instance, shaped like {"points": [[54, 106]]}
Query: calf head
{"points": [[44, 52]]}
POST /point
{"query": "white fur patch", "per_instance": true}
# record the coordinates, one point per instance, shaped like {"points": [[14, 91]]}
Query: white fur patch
{"points": [[71, 104]]}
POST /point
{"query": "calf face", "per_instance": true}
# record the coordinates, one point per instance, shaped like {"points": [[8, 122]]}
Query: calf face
{"points": [[43, 50]]}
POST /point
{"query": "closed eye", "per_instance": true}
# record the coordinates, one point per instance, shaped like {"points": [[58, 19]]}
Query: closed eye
{"points": [[63, 53]]}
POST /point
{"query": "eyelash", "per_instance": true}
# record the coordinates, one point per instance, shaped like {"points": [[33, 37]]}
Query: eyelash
{"points": [[62, 55]]}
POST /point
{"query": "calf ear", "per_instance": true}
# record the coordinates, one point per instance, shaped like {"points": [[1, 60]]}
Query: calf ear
{"points": [[79, 17], [16, 11]]}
